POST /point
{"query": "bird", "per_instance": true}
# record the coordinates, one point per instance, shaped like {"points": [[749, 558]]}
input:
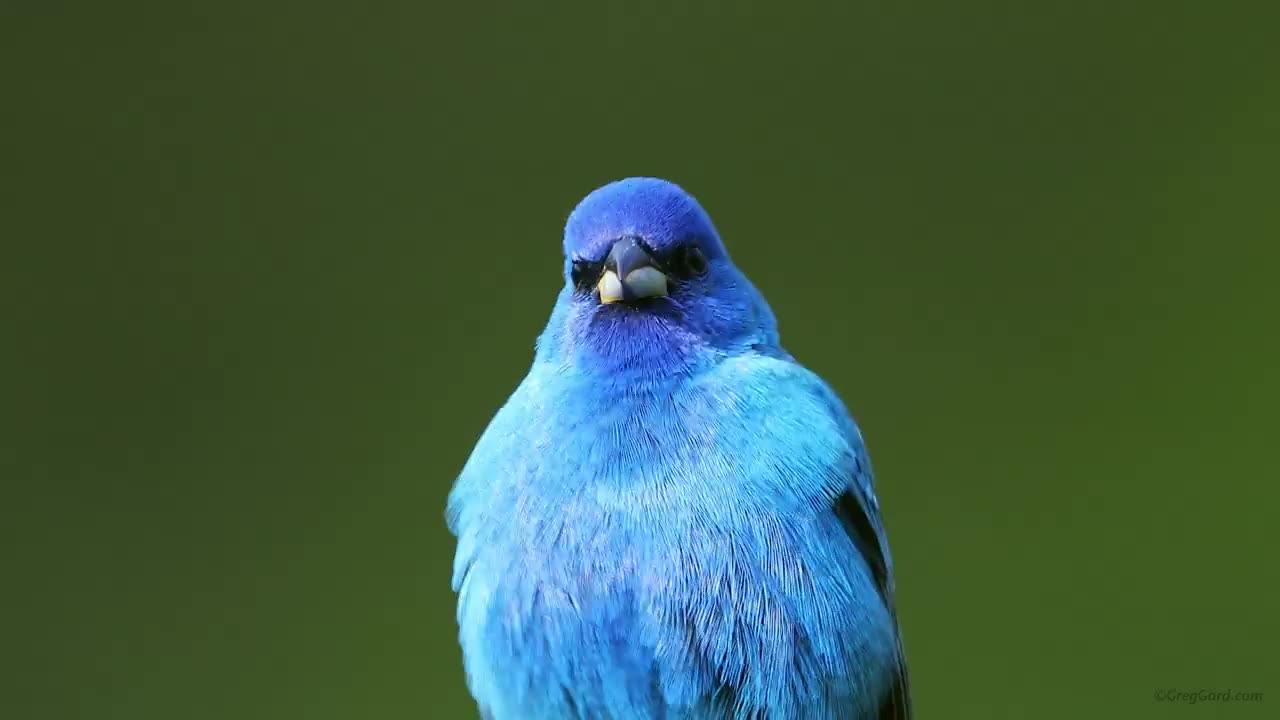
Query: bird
{"points": [[670, 517]]}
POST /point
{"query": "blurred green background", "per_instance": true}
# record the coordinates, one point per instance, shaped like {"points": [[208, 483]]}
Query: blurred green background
{"points": [[270, 268]]}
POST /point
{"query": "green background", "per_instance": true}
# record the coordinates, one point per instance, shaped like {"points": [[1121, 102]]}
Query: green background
{"points": [[268, 269]]}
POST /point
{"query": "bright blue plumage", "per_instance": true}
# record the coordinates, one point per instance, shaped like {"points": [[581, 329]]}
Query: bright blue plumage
{"points": [[670, 518]]}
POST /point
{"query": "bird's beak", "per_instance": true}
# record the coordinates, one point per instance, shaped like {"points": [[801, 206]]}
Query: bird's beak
{"points": [[630, 274]]}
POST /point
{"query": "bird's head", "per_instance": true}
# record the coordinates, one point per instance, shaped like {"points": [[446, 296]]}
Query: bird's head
{"points": [[649, 284]]}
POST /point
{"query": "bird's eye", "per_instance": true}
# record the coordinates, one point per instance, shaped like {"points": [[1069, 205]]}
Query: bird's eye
{"points": [[585, 274], [689, 260]]}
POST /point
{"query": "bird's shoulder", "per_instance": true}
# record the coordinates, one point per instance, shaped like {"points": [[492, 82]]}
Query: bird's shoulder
{"points": [[787, 408]]}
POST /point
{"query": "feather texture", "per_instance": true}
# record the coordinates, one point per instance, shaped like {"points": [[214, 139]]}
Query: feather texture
{"points": [[670, 517]]}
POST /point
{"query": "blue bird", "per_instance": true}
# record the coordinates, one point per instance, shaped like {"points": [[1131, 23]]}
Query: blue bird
{"points": [[671, 518]]}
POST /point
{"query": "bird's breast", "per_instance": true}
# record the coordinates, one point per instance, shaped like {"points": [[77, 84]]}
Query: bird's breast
{"points": [[659, 548]]}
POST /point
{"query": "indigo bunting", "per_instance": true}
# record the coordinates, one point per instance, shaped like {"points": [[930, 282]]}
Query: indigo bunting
{"points": [[670, 517]]}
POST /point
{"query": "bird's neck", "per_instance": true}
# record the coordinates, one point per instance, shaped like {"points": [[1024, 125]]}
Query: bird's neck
{"points": [[639, 367], [634, 350]]}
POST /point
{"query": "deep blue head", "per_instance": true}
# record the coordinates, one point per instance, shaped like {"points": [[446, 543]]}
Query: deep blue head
{"points": [[649, 287], [659, 212]]}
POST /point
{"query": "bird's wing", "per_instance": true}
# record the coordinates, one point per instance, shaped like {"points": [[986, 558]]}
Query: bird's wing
{"points": [[857, 509], [860, 512]]}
